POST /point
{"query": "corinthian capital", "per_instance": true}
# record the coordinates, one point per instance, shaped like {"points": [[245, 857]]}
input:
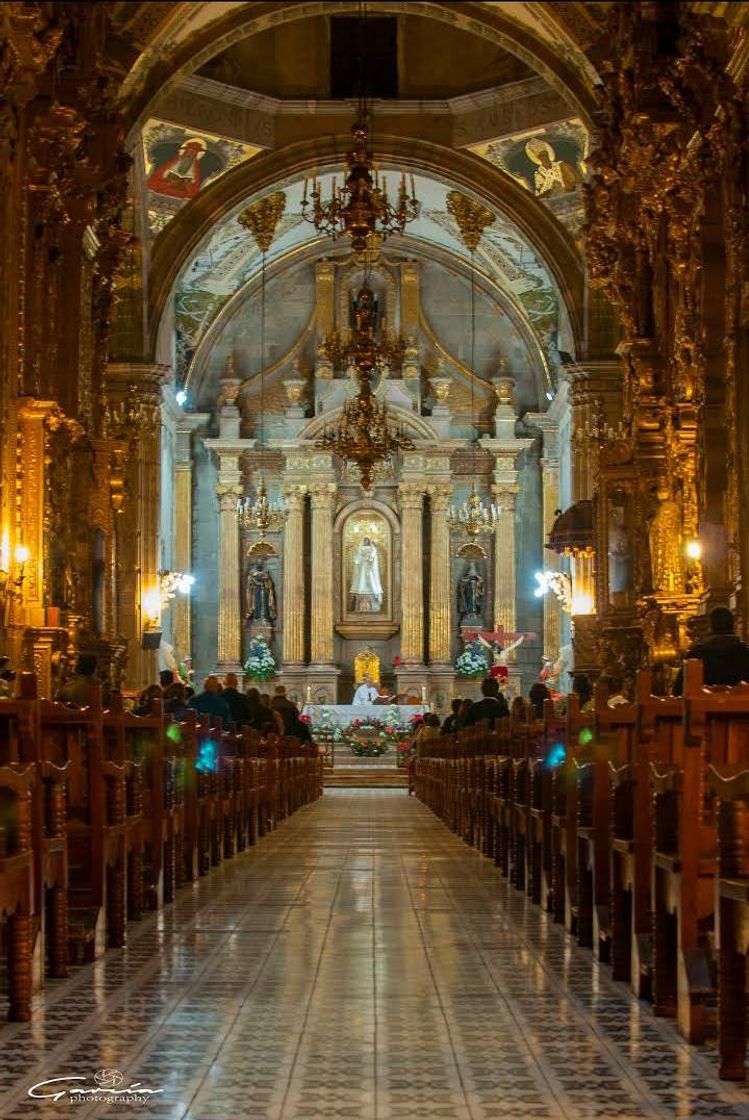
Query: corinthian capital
{"points": [[228, 498], [411, 495], [440, 495], [322, 495]]}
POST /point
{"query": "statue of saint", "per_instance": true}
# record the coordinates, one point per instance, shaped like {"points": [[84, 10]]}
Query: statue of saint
{"points": [[365, 311], [666, 561], [366, 585], [261, 595], [620, 558], [470, 593]]}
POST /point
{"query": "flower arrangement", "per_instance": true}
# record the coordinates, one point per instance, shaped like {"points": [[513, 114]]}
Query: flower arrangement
{"points": [[261, 664], [471, 662]]}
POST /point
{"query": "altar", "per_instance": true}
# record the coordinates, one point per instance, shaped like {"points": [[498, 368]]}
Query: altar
{"points": [[343, 715]]}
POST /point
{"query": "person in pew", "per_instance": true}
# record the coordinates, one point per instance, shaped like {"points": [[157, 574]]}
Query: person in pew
{"points": [[146, 698], [449, 727], [77, 691], [175, 701], [465, 707], [262, 716], [617, 693], [724, 655], [583, 689], [429, 730], [536, 696], [286, 708], [210, 701], [237, 701], [491, 708]]}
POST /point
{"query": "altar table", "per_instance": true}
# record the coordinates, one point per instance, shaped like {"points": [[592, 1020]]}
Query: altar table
{"points": [[342, 715]]}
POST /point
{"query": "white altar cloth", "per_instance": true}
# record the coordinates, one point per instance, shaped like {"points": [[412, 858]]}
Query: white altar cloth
{"points": [[341, 715]]}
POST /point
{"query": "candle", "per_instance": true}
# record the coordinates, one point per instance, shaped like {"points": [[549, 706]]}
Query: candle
{"points": [[309, 693], [304, 195], [413, 189]]}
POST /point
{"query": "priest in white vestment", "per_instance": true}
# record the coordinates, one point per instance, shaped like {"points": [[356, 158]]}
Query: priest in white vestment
{"points": [[366, 693], [366, 585]]}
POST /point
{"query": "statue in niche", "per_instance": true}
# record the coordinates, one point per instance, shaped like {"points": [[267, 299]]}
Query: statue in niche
{"points": [[620, 557], [666, 561], [366, 584], [364, 311], [261, 595], [471, 593]]}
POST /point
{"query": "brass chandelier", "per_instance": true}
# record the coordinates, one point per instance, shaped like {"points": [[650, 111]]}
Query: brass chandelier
{"points": [[259, 514], [360, 206], [363, 434], [471, 516]]}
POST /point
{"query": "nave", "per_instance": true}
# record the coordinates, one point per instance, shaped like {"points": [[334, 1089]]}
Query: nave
{"points": [[361, 962]]}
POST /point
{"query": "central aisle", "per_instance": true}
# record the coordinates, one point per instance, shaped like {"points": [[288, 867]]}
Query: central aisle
{"points": [[361, 962]]}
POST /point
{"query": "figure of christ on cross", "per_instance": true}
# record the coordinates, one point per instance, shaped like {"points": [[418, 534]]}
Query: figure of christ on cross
{"points": [[494, 642]]}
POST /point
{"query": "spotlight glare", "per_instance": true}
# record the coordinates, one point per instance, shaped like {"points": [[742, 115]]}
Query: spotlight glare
{"points": [[181, 397]]}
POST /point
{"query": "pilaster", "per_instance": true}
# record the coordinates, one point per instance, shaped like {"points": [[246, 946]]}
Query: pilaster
{"points": [[323, 501], [134, 415], [293, 578], [440, 583], [411, 496], [505, 490]]}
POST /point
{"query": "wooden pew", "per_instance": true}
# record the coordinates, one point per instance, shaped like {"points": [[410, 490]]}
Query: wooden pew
{"points": [[17, 883]]}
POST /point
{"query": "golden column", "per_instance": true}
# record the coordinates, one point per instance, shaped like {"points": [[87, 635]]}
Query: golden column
{"points": [[229, 606], [440, 591], [134, 414], [293, 577], [323, 498], [412, 575], [552, 605], [505, 496]]}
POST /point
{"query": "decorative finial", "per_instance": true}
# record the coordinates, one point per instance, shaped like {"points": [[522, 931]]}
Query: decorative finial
{"points": [[262, 218], [472, 218]]}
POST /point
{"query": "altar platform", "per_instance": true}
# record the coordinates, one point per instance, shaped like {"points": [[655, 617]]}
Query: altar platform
{"points": [[337, 726]]}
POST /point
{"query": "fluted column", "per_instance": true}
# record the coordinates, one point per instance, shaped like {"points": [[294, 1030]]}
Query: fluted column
{"points": [[412, 581], [182, 550], [293, 578], [552, 606], [323, 496], [504, 558], [440, 592], [229, 606]]}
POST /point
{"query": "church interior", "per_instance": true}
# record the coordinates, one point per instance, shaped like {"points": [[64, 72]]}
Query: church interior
{"points": [[374, 527]]}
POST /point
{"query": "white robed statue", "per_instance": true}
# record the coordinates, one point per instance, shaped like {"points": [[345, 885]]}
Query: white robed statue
{"points": [[366, 585]]}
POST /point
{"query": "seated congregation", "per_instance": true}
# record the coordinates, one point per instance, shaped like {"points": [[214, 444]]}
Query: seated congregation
{"points": [[105, 814], [628, 822]]}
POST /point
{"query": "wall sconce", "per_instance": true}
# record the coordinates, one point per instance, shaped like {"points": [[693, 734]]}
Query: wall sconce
{"points": [[12, 586], [694, 550], [151, 609], [172, 582]]}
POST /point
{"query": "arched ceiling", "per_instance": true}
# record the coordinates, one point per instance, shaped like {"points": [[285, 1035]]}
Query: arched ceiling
{"points": [[526, 239], [175, 40], [227, 260]]}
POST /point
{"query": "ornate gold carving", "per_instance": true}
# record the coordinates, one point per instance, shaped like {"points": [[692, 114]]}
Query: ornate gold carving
{"points": [[262, 217]]}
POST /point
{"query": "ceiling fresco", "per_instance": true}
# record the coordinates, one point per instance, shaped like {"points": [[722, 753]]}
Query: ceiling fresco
{"points": [[229, 259], [549, 162], [179, 162]]}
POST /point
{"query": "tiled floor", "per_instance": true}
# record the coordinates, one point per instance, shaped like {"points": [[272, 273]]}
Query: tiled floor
{"points": [[361, 962]]}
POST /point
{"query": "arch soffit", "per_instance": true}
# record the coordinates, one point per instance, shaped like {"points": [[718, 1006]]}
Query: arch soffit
{"points": [[493, 187], [359, 504], [166, 61]]}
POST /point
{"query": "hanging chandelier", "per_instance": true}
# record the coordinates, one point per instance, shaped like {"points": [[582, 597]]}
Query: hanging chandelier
{"points": [[471, 516], [257, 513], [360, 205], [363, 435]]}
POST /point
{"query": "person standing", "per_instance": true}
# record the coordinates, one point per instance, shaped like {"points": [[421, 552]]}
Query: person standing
{"points": [[366, 693]]}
